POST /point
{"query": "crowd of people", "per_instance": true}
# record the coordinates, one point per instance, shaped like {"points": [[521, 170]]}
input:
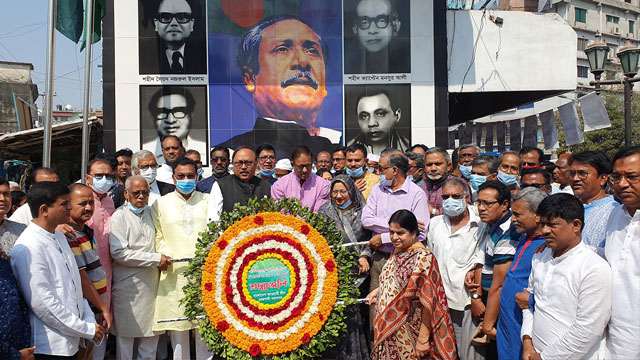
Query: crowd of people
{"points": [[468, 255]]}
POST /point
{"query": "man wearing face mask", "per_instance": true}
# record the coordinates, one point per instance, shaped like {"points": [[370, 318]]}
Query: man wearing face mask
{"points": [[240, 187], [135, 271], [437, 167], [508, 169], [144, 163], [358, 171], [483, 168], [466, 154], [416, 168], [456, 243], [178, 218], [394, 192], [266, 163], [100, 178]]}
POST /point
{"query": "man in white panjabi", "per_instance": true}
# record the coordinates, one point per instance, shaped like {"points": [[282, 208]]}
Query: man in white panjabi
{"points": [[571, 286], [178, 218], [135, 272]]}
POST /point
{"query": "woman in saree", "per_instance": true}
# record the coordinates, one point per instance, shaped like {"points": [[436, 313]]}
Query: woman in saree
{"points": [[344, 209], [412, 318]]}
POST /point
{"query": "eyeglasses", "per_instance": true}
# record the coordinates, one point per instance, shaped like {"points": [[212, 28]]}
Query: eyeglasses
{"points": [[138, 193], [537, 186], [383, 169], [177, 112], [631, 178], [364, 22], [266, 157], [486, 204], [219, 159], [455, 196], [145, 167], [582, 174], [100, 176], [339, 192], [302, 167], [185, 176], [243, 163], [181, 17]]}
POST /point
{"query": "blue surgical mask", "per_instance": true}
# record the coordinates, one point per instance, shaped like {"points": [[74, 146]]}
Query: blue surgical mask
{"points": [[417, 181], [355, 173], [345, 205], [101, 185], [454, 207], [465, 171], [267, 173], [384, 181], [200, 171], [186, 186], [371, 169], [477, 180], [507, 179], [134, 209]]}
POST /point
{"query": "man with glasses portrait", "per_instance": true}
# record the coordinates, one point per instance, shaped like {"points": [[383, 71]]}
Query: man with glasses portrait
{"points": [[240, 187], [376, 24], [174, 23]]}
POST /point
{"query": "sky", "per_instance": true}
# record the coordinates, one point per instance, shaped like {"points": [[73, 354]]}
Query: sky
{"points": [[23, 38]]}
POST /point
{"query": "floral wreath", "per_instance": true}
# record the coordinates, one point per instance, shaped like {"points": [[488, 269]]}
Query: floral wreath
{"points": [[273, 281]]}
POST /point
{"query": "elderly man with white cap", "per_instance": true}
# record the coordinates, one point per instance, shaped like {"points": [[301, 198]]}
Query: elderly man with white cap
{"points": [[283, 167]]}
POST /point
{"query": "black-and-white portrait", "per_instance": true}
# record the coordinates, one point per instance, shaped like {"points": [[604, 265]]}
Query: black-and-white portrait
{"points": [[174, 110], [378, 116], [172, 37], [377, 37]]}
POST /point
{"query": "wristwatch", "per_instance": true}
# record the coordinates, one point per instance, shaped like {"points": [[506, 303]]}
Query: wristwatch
{"points": [[476, 296]]}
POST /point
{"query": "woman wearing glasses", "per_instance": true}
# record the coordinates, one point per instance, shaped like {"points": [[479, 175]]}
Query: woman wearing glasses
{"points": [[344, 209]]}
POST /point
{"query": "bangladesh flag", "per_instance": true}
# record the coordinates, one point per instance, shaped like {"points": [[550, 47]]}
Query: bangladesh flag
{"points": [[99, 10], [69, 20], [234, 17]]}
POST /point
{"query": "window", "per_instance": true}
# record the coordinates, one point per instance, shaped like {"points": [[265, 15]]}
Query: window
{"points": [[581, 15], [632, 27], [582, 44], [583, 71], [613, 19], [627, 1]]}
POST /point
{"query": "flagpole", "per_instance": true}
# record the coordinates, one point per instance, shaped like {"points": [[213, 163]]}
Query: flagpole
{"points": [[88, 20], [48, 85]]}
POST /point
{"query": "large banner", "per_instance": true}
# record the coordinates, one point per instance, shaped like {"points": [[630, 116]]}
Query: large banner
{"points": [[284, 72]]}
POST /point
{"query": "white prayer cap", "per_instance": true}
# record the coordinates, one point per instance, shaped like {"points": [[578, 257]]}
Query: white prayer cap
{"points": [[284, 164], [373, 157], [13, 184]]}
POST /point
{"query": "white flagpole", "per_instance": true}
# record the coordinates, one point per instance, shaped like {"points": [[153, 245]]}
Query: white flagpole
{"points": [[48, 85], [88, 20]]}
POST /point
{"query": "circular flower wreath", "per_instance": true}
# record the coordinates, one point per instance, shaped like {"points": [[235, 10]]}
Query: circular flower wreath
{"points": [[292, 315]]}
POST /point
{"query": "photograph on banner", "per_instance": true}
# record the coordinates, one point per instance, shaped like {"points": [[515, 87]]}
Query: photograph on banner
{"points": [[275, 74], [377, 37], [378, 116], [174, 110], [172, 37]]}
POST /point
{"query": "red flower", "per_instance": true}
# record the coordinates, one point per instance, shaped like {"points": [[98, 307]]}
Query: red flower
{"points": [[296, 312], [258, 220], [222, 326], [330, 265], [321, 317], [306, 338], [228, 290], [255, 350], [222, 244], [305, 229], [208, 286]]}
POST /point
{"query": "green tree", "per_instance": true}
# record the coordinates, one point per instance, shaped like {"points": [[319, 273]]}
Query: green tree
{"points": [[608, 140]]}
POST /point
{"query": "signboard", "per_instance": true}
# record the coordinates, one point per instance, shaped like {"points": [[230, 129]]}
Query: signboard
{"points": [[284, 72]]}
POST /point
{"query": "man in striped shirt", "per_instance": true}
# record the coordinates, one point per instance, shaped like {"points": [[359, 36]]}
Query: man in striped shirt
{"points": [[92, 274]]}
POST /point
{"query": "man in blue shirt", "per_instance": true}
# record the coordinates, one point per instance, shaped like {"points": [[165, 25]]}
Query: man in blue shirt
{"points": [[523, 208]]}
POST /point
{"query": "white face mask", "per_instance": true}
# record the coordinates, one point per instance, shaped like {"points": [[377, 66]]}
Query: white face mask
{"points": [[149, 174]]}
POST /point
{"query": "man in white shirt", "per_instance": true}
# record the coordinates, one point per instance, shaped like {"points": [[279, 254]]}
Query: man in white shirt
{"points": [[571, 285], [172, 150], [23, 214], [48, 277], [453, 238], [144, 163], [622, 251]]}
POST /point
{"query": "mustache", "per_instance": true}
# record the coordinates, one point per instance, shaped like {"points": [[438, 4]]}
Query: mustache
{"points": [[300, 78]]}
